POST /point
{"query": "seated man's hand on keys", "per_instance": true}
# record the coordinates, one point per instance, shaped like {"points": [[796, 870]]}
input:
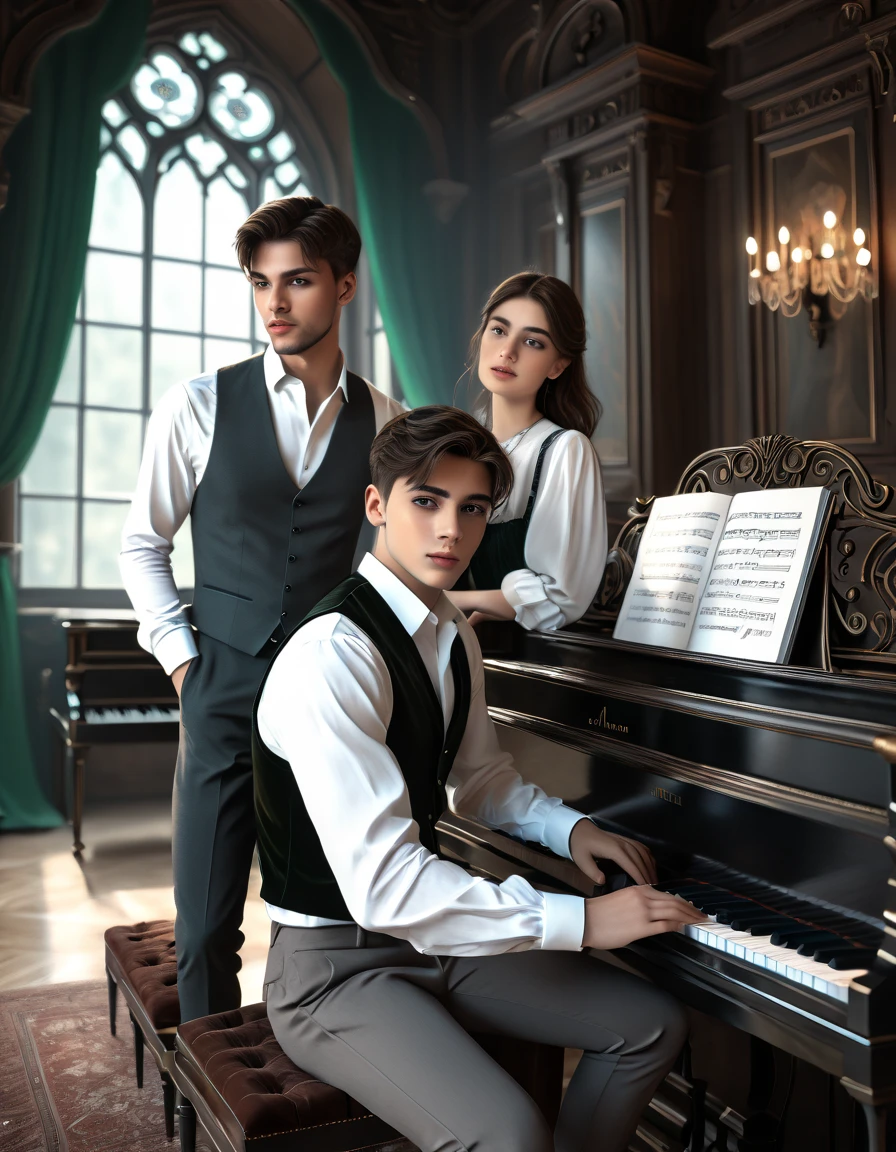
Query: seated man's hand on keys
{"points": [[588, 844], [617, 919]]}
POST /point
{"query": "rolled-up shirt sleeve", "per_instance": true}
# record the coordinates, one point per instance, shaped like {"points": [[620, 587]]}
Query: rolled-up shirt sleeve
{"points": [[566, 543], [325, 708]]}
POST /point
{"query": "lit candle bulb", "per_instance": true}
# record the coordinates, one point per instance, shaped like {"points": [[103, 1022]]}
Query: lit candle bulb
{"points": [[863, 257], [797, 255], [830, 219], [772, 261], [827, 251], [783, 235], [752, 246], [858, 237]]}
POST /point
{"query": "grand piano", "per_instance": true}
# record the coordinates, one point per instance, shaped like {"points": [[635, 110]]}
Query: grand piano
{"points": [[767, 793]]}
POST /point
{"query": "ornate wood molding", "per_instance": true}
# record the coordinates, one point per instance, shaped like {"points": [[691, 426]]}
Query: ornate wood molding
{"points": [[861, 552]]}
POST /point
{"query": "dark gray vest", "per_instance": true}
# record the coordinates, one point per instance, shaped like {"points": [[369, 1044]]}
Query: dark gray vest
{"points": [[265, 552]]}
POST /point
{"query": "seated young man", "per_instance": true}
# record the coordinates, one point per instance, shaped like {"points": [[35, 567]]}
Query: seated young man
{"points": [[370, 722]]}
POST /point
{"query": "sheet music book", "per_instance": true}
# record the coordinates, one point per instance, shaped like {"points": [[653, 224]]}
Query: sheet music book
{"points": [[726, 576]]}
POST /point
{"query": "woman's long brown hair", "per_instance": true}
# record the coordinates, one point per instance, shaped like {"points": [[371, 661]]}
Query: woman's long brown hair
{"points": [[567, 401]]}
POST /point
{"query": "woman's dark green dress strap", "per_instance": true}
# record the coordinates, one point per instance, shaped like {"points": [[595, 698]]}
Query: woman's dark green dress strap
{"points": [[503, 548]]}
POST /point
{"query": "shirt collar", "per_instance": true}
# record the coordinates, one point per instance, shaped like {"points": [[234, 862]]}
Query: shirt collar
{"points": [[410, 609], [275, 374]]}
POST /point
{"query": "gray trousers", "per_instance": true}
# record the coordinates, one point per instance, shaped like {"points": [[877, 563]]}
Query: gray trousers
{"points": [[368, 1014]]}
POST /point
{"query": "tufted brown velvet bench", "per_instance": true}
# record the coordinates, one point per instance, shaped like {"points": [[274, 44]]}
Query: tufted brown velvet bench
{"points": [[247, 1094], [140, 962]]}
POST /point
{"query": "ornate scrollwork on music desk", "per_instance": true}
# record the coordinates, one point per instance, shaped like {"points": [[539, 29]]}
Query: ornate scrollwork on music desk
{"points": [[861, 540]]}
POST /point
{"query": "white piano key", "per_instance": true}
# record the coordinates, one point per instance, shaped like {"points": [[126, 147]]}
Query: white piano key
{"points": [[759, 952]]}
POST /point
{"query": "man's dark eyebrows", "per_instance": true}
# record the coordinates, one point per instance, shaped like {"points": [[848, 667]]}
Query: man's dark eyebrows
{"points": [[291, 272], [507, 324], [445, 494]]}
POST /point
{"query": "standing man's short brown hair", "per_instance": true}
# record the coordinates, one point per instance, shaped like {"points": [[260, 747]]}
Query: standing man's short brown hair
{"points": [[411, 445], [323, 231]]}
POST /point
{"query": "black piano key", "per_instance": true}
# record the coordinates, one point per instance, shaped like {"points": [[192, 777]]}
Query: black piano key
{"points": [[764, 927], [856, 958], [826, 952], [743, 911], [792, 937], [811, 944], [758, 925]]}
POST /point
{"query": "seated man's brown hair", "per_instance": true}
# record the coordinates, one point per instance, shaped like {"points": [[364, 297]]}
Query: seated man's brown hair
{"points": [[410, 446], [323, 231]]}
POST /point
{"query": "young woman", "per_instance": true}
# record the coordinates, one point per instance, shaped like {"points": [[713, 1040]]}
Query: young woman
{"points": [[544, 550]]}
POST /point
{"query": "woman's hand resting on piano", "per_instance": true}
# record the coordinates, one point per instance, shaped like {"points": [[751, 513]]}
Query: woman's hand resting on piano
{"points": [[617, 919]]}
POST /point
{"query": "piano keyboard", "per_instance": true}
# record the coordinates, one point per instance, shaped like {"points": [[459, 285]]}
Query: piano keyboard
{"points": [[147, 715], [812, 953]]}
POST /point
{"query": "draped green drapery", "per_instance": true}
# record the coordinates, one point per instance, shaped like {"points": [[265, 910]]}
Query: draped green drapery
{"points": [[415, 260], [52, 159]]}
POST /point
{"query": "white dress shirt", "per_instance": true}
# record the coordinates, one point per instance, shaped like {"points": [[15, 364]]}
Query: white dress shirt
{"points": [[326, 707], [566, 545], [175, 456]]}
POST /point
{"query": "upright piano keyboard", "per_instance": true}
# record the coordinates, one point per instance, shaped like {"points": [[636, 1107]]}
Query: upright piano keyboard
{"points": [[115, 694], [767, 793]]}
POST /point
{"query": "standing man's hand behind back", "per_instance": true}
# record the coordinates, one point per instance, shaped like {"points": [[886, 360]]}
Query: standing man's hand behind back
{"points": [[177, 676]]}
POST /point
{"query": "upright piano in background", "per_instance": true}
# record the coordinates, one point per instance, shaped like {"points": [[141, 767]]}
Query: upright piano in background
{"points": [[115, 694], [768, 794]]}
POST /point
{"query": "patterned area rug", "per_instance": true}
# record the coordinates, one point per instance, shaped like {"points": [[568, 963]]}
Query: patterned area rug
{"points": [[67, 1084]]}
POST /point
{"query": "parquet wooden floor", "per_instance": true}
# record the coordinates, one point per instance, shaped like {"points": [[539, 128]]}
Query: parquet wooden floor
{"points": [[55, 909]]}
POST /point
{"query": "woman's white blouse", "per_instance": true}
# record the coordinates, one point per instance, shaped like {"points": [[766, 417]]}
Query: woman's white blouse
{"points": [[566, 545]]}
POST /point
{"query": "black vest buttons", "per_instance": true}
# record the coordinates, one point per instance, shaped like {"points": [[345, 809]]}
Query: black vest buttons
{"points": [[298, 503], [291, 559], [282, 613], [288, 588], [273, 639], [440, 782]]}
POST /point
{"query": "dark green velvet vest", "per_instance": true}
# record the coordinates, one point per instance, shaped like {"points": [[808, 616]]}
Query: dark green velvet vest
{"points": [[295, 873], [503, 548]]}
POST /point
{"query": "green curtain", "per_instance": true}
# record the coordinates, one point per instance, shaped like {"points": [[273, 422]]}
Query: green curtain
{"points": [[415, 260], [52, 159]]}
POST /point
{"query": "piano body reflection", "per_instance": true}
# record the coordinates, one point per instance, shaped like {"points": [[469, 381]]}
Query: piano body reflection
{"points": [[767, 793], [115, 694]]}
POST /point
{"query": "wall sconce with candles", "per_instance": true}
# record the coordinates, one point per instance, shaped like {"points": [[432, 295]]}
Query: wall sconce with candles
{"points": [[822, 273]]}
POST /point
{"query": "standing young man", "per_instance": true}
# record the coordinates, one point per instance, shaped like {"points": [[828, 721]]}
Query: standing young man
{"points": [[269, 457], [370, 721]]}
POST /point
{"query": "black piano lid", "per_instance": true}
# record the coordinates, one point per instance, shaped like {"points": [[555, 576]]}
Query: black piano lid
{"points": [[808, 731]]}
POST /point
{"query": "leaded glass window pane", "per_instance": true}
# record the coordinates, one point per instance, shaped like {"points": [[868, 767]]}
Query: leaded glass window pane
{"points": [[113, 371], [219, 353], [166, 89], [225, 211], [240, 109], [102, 543], [68, 388], [48, 543], [227, 303], [117, 220], [133, 145], [173, 360], [177, 223], [114, 288], [176, 296], [112, 443], [52, 469]]}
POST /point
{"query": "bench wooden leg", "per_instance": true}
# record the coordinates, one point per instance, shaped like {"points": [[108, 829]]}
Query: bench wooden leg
{"points": [[168, 1094], [186, 1124], [138, 1050], [77, 799], [113, 1000]]}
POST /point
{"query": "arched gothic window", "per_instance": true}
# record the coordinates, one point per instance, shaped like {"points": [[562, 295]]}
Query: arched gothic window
{"points": [[191, 146]]}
